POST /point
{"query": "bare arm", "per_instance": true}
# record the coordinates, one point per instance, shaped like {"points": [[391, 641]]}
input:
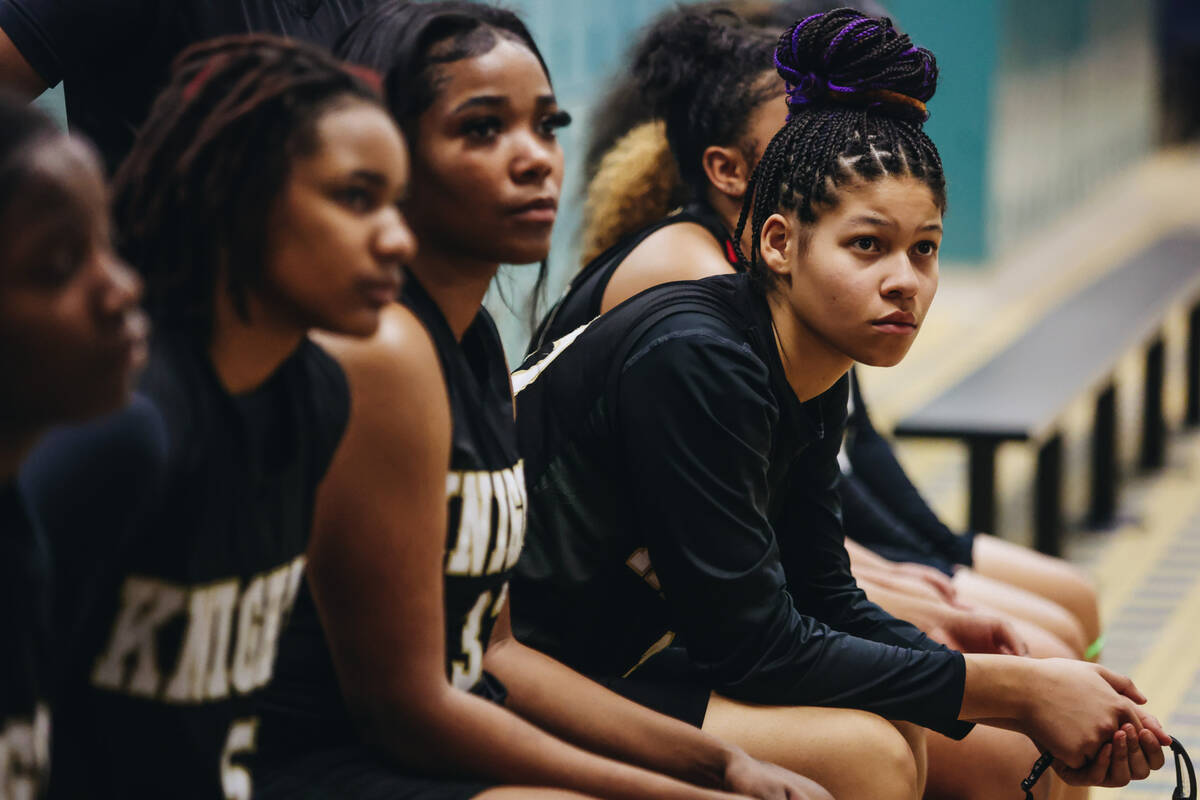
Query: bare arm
{"points": [[683, 252], [968, 631], [16, 74], [378, 543], [1071, 708]]}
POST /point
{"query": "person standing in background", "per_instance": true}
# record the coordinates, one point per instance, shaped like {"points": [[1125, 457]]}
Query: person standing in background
{"points": [[112, 57]]}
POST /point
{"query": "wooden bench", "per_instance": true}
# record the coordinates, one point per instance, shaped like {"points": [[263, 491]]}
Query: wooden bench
{"points": [[1022, 393]]}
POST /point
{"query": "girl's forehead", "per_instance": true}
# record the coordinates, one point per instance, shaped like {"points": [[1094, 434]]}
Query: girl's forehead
{"points": [[508, 69]]}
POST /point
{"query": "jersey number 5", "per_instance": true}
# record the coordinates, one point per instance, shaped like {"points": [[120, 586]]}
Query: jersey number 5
{"points": [[235, 779]]}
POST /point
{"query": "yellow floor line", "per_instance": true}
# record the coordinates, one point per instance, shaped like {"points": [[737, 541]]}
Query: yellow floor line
{"points": [[1166, 673], [1169, 503]]}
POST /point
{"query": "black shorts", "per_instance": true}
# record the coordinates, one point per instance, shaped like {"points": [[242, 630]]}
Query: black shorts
{"points": [[306, 759], [663, 684], [353, 772]]}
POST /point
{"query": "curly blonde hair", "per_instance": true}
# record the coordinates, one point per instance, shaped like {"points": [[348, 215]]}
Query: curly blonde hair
{"points": [[637, 183]]}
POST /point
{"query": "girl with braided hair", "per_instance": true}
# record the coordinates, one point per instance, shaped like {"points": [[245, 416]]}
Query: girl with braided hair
{"points": [[961, 586], [681, 453], [71, 340], [399, 677], [259, 203]]}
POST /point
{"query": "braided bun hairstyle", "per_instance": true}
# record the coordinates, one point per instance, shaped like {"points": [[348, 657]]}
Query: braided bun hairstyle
{"points": [[856, 100], [192, 199]]}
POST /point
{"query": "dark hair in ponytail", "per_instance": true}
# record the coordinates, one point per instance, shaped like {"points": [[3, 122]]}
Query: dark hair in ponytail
{"points": [[407, 41], [194, 195], [702, 74], [698, 76], [622, 107], [856, 98]]}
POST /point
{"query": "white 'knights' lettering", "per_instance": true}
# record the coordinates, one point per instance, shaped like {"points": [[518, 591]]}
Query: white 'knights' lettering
{"points": [[24, 755], [490, 501], [214, 655]]}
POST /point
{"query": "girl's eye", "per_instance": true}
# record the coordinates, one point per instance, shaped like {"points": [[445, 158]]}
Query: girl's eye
{"points": [[356, 198], [481, 129], [60, 266], [552, 123], [926, 248], [865, 244]]}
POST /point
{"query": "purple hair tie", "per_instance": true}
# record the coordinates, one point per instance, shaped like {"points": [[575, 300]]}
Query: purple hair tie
{"points": [[804, 90], [796, 33], [840, 35]]}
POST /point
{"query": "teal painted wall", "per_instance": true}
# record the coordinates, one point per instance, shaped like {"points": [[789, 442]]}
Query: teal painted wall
{"points": [[1040, 102], [963, 36]]}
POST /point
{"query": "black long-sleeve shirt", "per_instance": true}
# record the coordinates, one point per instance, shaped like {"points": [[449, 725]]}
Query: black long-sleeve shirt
{"points": [[882, 508], [114, 56], [681, 493]]}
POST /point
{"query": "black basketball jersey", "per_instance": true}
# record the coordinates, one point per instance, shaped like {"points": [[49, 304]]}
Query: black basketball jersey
{"points": [[26, 662], [585, 294], [485, 486], [485, 490], [681, 495], [191, 581]]}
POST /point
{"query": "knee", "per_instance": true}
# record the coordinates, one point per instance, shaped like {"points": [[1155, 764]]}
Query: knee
{"points": [[1070, 637], [888, 768], [1047, 645], [999, 778], [1058, 623], [1078, 595]]}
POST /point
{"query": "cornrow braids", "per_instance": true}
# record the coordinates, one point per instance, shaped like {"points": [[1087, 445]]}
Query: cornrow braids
{"points": [[856, 94], [191, 201]]}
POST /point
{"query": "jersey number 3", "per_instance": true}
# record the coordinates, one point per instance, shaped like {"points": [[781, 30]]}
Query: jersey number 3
{"points": [[466, 671]]}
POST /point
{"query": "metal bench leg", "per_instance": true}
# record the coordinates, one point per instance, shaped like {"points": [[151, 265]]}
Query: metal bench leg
{"points": [[1192, 419], [1048, 522], [981, 469], [1154, 433], [1104, 459]]}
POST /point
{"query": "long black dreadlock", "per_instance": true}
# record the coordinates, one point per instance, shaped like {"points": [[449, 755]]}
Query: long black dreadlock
{"points": [[856, 97], [193, 197]]}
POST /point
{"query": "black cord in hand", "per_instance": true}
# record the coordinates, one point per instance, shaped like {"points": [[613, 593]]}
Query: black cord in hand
{"points": [[1182, 763]]}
